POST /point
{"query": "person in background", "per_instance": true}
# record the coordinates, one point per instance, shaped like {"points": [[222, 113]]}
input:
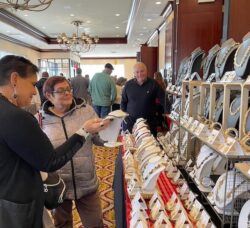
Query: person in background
{"points": [[138, 98], [158, 77], [103, 91], [25, 150], [80, 85], [62, 114], [61, 74], [159, 108], [119, 86], [39, 86]]}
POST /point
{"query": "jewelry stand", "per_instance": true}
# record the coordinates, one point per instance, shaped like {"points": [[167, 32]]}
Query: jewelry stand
{"points": [[196, 60], [209, 65], [224, 58], [182, 71], [241, 58], [149, 185], [204, 170], [219, 166], [244, 220], [234, 113], [226, 191]]}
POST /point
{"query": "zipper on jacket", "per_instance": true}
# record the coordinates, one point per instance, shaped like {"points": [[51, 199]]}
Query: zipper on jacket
{"points": [[71, 161]]}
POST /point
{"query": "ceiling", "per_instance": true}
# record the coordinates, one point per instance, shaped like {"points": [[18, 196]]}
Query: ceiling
{"points": [[121, 25]]}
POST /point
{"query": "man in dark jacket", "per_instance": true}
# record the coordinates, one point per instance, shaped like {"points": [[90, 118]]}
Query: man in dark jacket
{"points": [[139, 98], [39, 86]]}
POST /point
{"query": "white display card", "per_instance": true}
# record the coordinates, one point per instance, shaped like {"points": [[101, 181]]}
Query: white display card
{"points": [[156, 209], [172, 201], [138, 216], [181, 221], [138, 198], [162, 220], [156, 196], [194, 125], [229, 76], [176, 212], [176, 177], [201, 130], [189, 163], [196, 208], [184, 189], [189, 122], [215, 137], [136, 208], [205, 218], [232, 147]]}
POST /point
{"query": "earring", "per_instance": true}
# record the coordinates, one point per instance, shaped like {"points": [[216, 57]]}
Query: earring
{"points": [[15, 94]]}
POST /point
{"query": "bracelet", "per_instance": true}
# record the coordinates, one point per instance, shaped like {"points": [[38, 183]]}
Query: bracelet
{"points": [[83, 133]]}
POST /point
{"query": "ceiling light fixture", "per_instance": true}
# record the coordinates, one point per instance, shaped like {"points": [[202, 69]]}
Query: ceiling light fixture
{"points": [[38, 5], [76, 43]]}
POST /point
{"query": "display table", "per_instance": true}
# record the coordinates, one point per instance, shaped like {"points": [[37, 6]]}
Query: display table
{"points": [[119, 193]]}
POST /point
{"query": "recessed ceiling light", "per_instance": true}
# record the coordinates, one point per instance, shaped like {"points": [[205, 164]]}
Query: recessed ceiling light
{"points": [[72, 15], [144, 27], [44, 27], [8, 31], [25, 15], [117, 27], [149, 19], [141, 34], [88, 21], [157, 3], [117, 14]]}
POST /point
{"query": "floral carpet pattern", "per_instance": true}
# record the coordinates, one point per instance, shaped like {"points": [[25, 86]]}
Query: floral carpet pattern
{"points": [[105, 165]]}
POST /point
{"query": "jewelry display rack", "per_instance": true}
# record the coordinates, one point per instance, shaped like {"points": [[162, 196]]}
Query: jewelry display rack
{"points": [[225, 142]]}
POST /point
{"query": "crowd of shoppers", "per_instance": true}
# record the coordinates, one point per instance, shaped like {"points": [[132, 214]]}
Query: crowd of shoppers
{"points": [[62, 141]]}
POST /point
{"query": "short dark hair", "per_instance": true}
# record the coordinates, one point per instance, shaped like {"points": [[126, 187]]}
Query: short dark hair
{"points": [[78, 71], [45, 74], [13, 63], [50, 83], [109, 66]]}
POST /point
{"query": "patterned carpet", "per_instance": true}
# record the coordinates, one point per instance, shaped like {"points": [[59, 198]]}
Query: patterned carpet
{"points": [[105, 164]]}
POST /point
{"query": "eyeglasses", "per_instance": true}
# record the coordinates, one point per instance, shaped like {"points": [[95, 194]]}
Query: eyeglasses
{"points": [[62, 91]]}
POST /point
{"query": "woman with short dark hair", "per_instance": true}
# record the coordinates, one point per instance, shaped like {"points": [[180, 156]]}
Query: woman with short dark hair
{"points": [[61, 115], [24, 149]]}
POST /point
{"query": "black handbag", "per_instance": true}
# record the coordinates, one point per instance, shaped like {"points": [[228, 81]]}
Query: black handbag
{"points": [[54, 191]]}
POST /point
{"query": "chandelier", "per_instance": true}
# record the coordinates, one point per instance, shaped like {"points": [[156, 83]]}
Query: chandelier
{"points": [[36, 5], [76, 43]]}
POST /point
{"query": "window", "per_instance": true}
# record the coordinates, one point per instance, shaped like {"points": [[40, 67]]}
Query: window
{"points": [[94, 68]]}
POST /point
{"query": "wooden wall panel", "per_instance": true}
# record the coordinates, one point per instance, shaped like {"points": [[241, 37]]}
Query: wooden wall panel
{"points": [[198, 25], [239, 19], [149, 56]]}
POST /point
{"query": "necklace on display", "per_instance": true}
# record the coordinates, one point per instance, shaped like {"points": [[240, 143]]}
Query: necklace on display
{"points": [[203, 161], [244, 58], [218, 106], [245, 118], [245, 142], [229, 194], [220, 60], [232, 111]]}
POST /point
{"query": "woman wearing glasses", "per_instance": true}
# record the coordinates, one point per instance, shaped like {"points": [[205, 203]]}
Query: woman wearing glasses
{"points": [[24, 148], [62, 115]]}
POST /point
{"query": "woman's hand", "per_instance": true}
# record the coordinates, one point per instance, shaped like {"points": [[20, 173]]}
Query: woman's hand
{"points": [[95, 125]]}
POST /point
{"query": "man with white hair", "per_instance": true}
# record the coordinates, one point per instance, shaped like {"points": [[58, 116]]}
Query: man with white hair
{"points": [[139, 98]]}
